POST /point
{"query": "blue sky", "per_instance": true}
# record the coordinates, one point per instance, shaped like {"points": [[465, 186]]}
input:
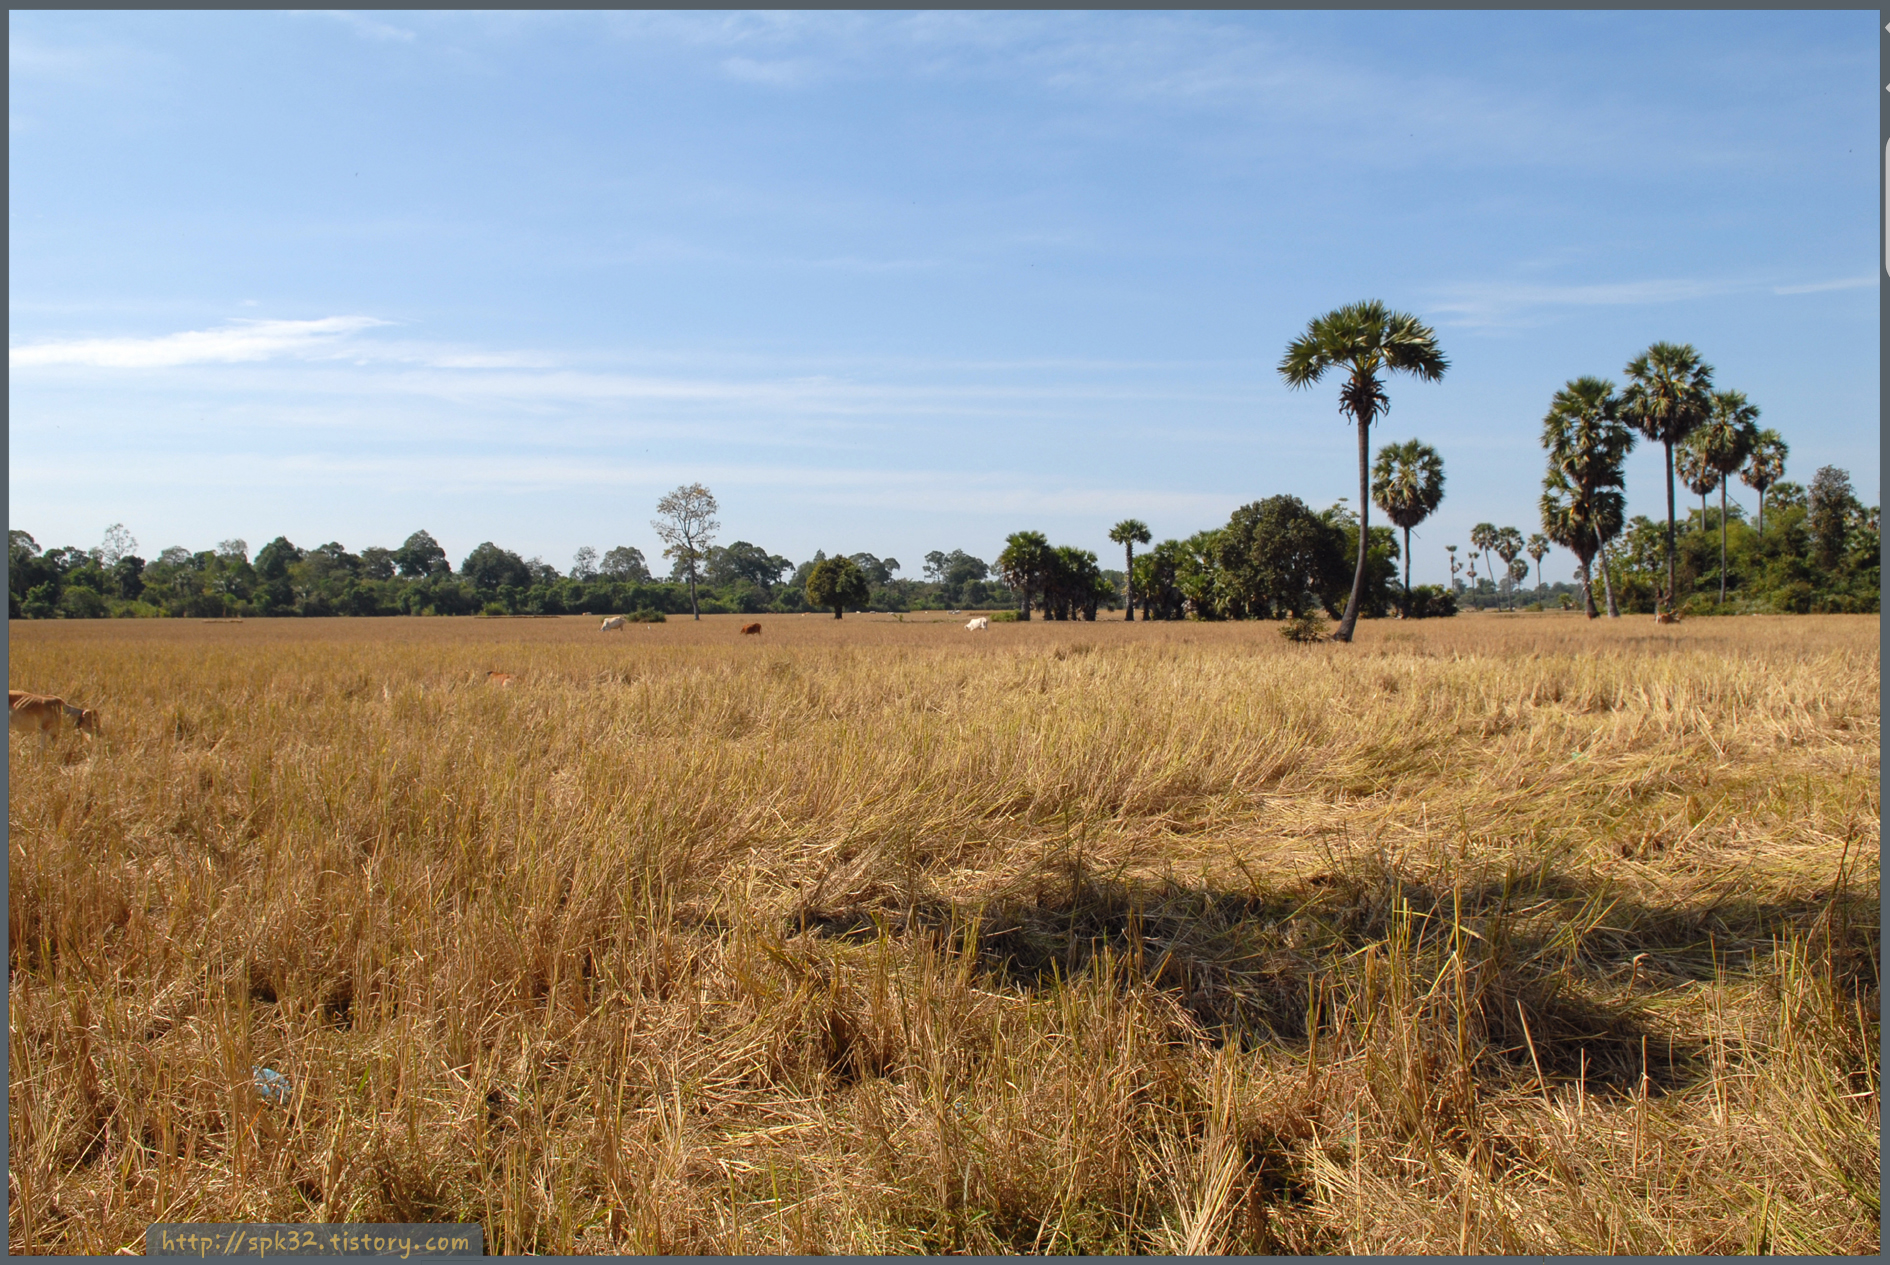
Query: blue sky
{"points": [[895, 282]]}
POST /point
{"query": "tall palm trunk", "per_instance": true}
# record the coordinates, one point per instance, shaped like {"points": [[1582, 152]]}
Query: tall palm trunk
{"points": [[1128, 583], [1722, 542], [1349, 620], [1670, 566], [1407, 573], [1588, 592], [1607, 582]]}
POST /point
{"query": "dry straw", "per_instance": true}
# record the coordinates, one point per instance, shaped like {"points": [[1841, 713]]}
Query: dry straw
{"points": [[1494, 934]]}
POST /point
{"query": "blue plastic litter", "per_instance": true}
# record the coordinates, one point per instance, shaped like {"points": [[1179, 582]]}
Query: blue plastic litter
{"points": [[271, 1086]]}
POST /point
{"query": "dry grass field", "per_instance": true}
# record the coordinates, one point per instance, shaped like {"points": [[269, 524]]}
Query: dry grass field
{"points": [[1495, 934]]}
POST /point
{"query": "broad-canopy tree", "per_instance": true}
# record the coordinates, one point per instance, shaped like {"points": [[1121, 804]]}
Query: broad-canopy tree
{"points": [[1765, 466], [1129, 533], [418, 555], [1363, 340], [1725, 440], [1666, 399], [837, 582], [625, 562], [489, 567], [688, 528], [1278, 558], [1408, 484]]}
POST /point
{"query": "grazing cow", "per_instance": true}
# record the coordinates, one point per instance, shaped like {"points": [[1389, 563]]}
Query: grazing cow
{"points": [[751, 630], [615, 621], [980, 624], [499, 678], [42, 713], [1666, 617]]}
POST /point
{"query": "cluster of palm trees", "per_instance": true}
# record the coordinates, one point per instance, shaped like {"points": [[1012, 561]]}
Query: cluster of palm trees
{"points": [[1709, 435], [1064, 581]]}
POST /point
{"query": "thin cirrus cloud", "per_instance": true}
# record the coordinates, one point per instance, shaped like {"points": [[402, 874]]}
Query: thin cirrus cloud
{"points": [[1507, 304], [237, 342]]}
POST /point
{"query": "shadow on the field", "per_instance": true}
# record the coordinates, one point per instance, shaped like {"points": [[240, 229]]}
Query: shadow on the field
{"points": [[1541, 970]]}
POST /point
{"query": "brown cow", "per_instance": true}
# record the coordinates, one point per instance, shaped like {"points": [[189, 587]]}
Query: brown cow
{"points": [[751, 630], [500, 678], [1666, 617], [42, 714]]}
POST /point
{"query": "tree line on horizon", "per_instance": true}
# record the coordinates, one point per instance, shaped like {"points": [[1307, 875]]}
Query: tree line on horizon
{"points": [[1273, 559]]}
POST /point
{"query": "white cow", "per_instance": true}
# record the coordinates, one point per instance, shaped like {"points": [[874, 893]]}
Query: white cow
{"points": [[615, 621], [980, 624]]}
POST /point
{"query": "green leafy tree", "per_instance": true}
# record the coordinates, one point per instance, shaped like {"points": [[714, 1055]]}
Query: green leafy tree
{"points": [[1832, 507], [1363, 340], [1278, 558], [1726, 439], [837, 582], [490, 568], [688, 528], [625, 563], [1765, 466], [419, 555], [1666, 398], [1408, 484], [1129, 533], [584, 563]]}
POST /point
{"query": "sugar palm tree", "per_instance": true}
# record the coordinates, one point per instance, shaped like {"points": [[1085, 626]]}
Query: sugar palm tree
{"points": [[1364, 340], [1538, 550], [1455, 566], [1024, 563], [1665, 399], [1408, 484], [1509, 544], [1579, 521], [1483, 540], [1764, 467], [1587, 443], [1129, 533], [1725, 439], [1695, 471]]}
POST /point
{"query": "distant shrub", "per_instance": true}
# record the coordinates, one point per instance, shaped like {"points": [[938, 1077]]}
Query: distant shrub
{"points": [[646, 616], [1304, 629], [1431, 601], [1003, 617]]}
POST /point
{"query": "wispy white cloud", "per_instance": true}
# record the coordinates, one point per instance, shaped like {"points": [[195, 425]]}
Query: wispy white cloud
{"points": [[364, 26], [241, 341], [1502, 304], [778, 74], [1819, 287]]}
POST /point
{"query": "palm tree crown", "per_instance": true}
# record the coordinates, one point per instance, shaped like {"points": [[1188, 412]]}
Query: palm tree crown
{"points": [[1764, 467], [1365, 340], [1408, 483]]}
